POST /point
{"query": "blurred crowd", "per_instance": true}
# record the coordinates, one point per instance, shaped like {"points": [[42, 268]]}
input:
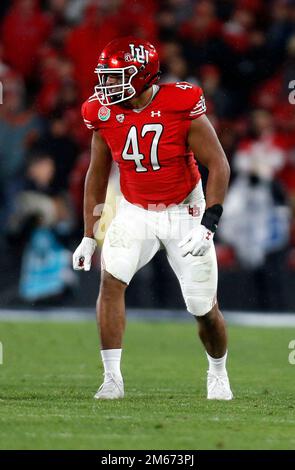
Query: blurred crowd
{"points": [[242, 52]]}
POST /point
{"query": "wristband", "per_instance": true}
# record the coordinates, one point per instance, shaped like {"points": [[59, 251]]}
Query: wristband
{"points": [[211, 217]]}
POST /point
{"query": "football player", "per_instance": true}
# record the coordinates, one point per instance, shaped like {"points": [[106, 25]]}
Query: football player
{"points": [[153, 133]]}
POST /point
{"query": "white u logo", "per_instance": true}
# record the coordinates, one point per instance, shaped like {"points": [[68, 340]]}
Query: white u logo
{"points": [[139, 53]]}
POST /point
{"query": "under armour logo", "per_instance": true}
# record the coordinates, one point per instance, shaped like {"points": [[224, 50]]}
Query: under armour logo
{"points": [[155, 113], [194, 210], [208, 235], [120, 118]]}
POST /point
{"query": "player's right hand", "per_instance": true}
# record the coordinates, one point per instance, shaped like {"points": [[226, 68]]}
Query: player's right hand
{"points": [[83, 254]]}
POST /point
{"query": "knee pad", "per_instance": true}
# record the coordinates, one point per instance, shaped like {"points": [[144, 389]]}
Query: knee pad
{"points": [[118, 257], [199, 284], [198, 301], [119, 268], [199, 305], [119, 263]]}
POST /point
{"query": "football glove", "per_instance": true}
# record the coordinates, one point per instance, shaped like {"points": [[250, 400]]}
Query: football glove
{"points": [[199, 240], [83, 254]]}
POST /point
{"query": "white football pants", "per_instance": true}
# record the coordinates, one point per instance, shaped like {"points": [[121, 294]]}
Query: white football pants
{"points": [[136, 234]]}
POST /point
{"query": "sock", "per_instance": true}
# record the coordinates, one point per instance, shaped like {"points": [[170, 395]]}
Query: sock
{"points": [[111, 359], [217, 365]]}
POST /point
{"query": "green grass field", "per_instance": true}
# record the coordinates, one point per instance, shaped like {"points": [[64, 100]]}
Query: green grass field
{"points": [[51, 371]]}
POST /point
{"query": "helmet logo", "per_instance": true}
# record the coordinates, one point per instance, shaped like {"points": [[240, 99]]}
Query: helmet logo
{"points": [[140, 54], [128, 57], [104, 113]]}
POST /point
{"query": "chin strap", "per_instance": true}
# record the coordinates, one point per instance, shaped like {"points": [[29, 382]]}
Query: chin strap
{"points": [[153, 80]]}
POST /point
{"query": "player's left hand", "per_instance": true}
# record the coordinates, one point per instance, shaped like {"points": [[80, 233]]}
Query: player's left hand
{"points": [[197, 242]]}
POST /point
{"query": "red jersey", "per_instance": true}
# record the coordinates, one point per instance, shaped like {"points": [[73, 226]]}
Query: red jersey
{"points": [[150, 145]]}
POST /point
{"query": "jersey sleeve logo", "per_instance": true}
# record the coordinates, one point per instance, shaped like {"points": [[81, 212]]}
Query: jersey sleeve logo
{"points": [[104, 113], [199, 108]]}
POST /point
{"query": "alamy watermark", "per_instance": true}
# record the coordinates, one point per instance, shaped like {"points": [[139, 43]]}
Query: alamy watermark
{"points": [[1, 353], [292, 92], [1, 92], [291, 357], [173, 221]]}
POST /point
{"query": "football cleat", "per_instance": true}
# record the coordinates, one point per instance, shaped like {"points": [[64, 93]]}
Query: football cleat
{"points": [[218, 387], [111, 389]]}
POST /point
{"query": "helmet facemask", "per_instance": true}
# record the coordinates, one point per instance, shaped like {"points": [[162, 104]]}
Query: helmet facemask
{"points": [[115, 93]]}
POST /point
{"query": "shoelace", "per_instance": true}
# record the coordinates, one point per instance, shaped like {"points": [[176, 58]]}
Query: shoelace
{"points": [[219, 380], [108, 378]]}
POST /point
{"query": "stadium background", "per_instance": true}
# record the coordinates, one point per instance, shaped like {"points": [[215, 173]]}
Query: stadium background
{"points": [[242, 52]]}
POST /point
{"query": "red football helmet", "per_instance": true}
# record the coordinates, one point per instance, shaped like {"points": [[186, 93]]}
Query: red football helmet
{"points": [[133, 64]]}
